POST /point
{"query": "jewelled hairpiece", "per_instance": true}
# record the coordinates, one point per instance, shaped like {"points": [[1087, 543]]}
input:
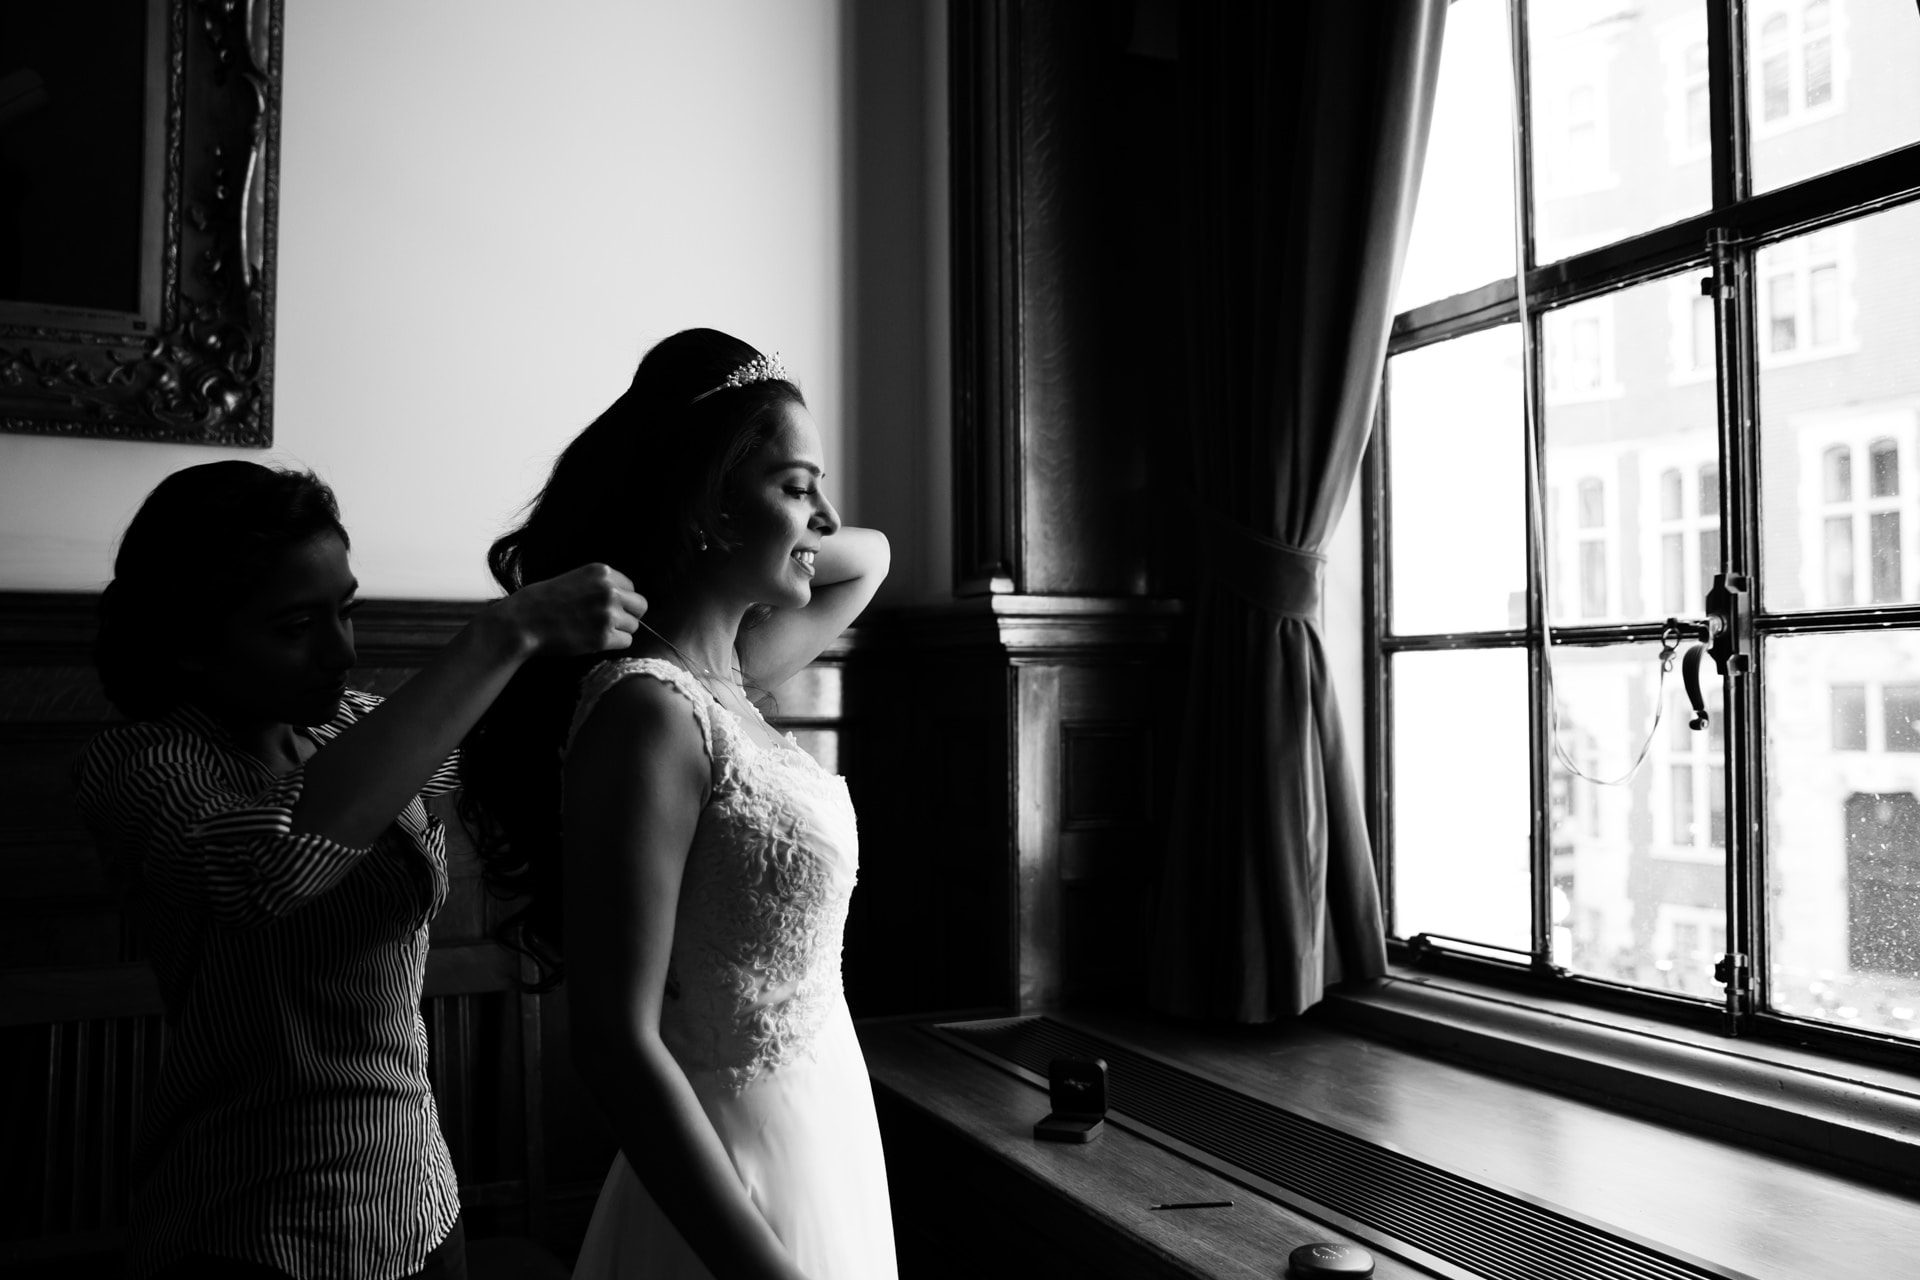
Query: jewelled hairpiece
{"points": [[759, 369]]}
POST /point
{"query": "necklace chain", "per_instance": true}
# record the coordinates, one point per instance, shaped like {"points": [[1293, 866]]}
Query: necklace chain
{"points": [[699, 671]]}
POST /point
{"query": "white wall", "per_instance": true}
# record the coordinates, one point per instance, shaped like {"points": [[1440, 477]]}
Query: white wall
{"points": [[488, 210]]}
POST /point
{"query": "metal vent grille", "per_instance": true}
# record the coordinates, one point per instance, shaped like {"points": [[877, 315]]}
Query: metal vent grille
{"points": [[1435, 1215]]}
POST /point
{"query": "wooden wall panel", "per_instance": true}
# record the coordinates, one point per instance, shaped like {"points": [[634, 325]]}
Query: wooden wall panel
{"points": [[1009, 803], [929, 927], [984, 140], [1066, 318]]}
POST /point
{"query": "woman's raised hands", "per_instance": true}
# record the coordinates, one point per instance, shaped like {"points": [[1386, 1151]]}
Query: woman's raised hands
{"points": [[587, 610]]}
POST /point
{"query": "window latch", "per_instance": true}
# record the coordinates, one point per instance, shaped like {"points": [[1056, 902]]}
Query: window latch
{"points": [[1729, 622], [1731, 971]]}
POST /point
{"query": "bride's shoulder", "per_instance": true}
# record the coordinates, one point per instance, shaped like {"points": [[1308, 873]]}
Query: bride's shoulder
{"points": [[641, 702]]}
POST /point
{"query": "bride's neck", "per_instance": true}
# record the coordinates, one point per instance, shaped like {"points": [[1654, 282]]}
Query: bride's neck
{"points": [[703, 632]]}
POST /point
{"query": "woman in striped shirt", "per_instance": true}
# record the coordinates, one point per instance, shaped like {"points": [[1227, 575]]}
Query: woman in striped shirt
{"points": [[271, 819]]}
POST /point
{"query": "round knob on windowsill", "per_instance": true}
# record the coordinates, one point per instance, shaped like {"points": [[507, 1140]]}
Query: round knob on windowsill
{"points": [[1329, 1260]]}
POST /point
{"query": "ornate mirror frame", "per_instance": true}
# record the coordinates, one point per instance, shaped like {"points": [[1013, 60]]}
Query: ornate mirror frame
{"points": [[194, 364]]}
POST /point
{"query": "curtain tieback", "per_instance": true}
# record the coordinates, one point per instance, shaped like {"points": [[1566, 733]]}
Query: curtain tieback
{"points": [[1263, 571]]}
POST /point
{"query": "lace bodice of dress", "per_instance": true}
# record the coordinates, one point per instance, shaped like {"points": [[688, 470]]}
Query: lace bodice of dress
{"points": [[763, 901]]}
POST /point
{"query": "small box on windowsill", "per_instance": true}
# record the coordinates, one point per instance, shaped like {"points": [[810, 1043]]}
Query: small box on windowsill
{"points": [[1077, 1089]]}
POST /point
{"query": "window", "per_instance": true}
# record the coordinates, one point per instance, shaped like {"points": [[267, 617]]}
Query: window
{"points": [[1864, 506], [1901, 707], [1579, 352], [1698, 104], [1805, 298], [1821, 92], [1599, 73], [1793, 62], [1849, 717], [1544, 790]]}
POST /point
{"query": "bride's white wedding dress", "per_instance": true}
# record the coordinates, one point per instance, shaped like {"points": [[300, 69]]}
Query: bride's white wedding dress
{"points": [[754, 1012]]}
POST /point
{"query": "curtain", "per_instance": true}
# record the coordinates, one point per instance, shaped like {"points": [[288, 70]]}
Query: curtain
{"points": [[1302, 131]]}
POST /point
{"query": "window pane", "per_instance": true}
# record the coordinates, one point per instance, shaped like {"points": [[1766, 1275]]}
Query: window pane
{"points": [[1617, 122], [1630, 466], [1460, 795], [1883, 463], [1836, 468], [1773, 87], [1593, 505], [1463, 223], [1783, 313], [1673, 573], [1832, 84], [1593, 580], [1819, 63], [1681, 787], [1457, 479], [1700, 350], [1717, 806], [1699, 117], [1839, 561], [1849, 717], [1853, 395], [1823, 305], [1654, 860], [1885, 530], [1900, 704], [1843, 828], [1709, 561]]}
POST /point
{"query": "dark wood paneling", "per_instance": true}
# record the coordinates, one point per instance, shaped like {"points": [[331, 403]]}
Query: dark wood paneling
{"points": [[1067, 340], [80, 1047], [980, 886], [929, 924], [984, 137], [1106, 775]]}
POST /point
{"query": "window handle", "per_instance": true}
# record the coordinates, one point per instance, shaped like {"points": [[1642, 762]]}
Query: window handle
{"points": [[1729, 620], [1690, 678]]}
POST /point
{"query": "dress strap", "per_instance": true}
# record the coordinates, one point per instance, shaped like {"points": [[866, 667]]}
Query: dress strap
{"points": [[610, 673]]}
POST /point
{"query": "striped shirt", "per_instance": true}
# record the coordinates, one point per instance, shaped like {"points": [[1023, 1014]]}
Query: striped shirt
{"points": [[292, 1122]]}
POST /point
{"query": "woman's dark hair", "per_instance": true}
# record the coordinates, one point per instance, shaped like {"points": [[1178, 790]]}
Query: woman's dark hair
{"points": [[199, 546], [637, 490]]}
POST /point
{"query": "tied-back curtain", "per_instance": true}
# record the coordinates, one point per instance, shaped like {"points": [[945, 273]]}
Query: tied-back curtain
{"points": [[1302, 131]]}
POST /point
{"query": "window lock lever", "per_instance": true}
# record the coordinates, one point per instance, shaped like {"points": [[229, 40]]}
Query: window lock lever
{"points": [[1671, 636], [1729, 619], [1727, 624]]}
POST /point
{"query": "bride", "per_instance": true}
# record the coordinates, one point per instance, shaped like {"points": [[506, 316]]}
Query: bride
{"points": [[689, 865]]}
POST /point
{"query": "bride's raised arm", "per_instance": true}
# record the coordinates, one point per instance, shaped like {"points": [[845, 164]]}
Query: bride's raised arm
{"points": [[849, 568]]}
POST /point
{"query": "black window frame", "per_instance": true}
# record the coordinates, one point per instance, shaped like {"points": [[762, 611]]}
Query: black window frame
{"points": [[1723, 243]]}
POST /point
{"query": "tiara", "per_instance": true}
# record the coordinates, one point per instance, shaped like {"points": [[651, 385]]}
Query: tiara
{"points": [[759, 369]]}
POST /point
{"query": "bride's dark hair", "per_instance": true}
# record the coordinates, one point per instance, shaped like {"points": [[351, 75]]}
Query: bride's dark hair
{"points": [[636, 490]]}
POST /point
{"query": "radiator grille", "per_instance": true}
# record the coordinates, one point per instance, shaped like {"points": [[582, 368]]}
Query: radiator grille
{"points": [[1468, 1227]]}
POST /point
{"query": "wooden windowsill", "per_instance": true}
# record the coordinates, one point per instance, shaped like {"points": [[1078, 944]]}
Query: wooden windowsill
{"points": [[1760, 1214], [1855, 1119], [975, 1194]]}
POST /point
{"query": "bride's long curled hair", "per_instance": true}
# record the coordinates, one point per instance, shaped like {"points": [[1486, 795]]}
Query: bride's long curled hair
{"points": [[636, 490]]}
